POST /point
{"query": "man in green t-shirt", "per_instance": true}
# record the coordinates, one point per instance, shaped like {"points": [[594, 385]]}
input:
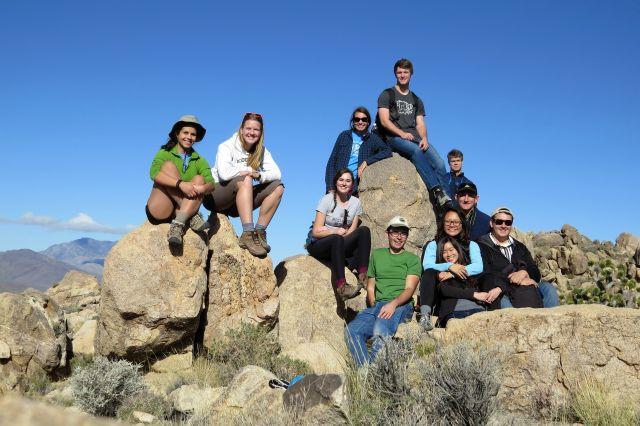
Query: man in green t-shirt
{"points": [[392, 279]]}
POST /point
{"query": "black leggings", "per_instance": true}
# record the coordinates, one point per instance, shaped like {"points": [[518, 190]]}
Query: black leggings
{"points": [[428, 283], [337, 248]]}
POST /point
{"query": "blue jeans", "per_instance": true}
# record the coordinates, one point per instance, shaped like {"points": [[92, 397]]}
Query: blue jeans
{"points": [[429, 164], [459, 314], [547, 291], [367, 325]]}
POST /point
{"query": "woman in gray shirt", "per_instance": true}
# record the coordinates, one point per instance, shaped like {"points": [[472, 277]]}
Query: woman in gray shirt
{"points": [[336, 236]]}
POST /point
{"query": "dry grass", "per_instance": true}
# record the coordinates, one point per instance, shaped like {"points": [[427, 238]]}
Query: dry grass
{"points": [[595, 405]]}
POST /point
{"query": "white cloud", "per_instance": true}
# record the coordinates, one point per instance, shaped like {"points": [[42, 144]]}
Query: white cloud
{"points": [[80, 222]]}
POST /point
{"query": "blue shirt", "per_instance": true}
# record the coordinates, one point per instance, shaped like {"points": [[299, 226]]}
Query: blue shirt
{"points": [[352, 164], [474, 268]]}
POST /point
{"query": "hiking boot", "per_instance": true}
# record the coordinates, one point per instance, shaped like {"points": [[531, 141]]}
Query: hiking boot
{"points": [[425, 323], [441, 197], [348, 291], [249, 240], [198, 224], [174, 237], [262, 235]]}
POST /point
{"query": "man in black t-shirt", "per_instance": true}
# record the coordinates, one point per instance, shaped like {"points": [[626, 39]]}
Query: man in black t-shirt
{"points": [[401, 123]]}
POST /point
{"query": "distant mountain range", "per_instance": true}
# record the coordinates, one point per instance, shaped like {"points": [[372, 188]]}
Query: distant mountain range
{"points": [[21, 269]]}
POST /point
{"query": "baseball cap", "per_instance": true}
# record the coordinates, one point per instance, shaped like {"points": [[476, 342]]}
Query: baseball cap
{"points": [[398, 222], [467, 187], [502, 210]]}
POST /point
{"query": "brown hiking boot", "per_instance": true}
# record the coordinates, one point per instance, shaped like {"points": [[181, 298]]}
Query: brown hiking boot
{"points": [[174, 236], [262, 235], [348, 291], [198, 224], [249, 240]]}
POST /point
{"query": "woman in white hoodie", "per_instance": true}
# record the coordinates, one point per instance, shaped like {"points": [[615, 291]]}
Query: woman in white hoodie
{"points": [[248, 178]]}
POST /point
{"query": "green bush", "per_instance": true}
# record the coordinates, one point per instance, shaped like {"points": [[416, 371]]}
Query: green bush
{"points": [[101, 387], [37, 384], [252, 345], [80, 361]]}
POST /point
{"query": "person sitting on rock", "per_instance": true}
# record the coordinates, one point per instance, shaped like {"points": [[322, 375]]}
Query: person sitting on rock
{"points": [[459, 297], [249, 178], [401, 123], [355, 149], [477, 221], [510, 260], [336, 236], [392, 279], [455, 157], [181, 177], [452, 225]]}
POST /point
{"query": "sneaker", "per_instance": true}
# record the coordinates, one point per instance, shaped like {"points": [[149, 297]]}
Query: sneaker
{"points": [[441, 197], [262, 235], [425, 323], [198, 224], [348, 291], [174, 237], [249, 240]]}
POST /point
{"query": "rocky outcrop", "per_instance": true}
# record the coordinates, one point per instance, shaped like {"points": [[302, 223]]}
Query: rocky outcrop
{"points": [[250, 388], [393, 187], [311, 317], [546, 352], [242, 288], [75, 292], [587, 271], [151, 297], [32, 338], [15, 410]]}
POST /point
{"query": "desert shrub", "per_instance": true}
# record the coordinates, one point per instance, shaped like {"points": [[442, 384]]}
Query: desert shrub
{"points": [[455, 384], [36, 384], [252, 345], [464, 384], [80, 361], [102, 386], [147, 403], [595, 405]]}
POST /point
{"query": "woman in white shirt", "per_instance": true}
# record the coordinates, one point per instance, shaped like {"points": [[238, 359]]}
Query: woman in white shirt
{"points": [[336, 236], [248, 178]]}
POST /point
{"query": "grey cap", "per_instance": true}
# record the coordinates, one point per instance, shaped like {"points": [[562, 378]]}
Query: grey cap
{"points": [[502, 210], [398, 222], [189, 120]]}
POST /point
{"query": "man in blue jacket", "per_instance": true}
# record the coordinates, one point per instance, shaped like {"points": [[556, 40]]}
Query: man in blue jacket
{"points": [[455, 157], [477, 222]]}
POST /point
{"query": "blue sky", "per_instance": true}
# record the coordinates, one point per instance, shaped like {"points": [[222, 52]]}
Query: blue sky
{"points": [[88, 91]]}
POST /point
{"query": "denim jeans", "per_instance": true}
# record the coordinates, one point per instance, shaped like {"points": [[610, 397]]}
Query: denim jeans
{"points": [[429, 164], [547, 291], [367, 325], [459, 314]]}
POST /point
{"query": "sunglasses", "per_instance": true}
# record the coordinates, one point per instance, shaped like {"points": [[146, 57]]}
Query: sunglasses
{"points": [[503, 222], [359, 119]]}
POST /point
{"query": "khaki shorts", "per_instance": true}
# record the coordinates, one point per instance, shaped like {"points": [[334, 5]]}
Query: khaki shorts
{"points": [[223, 198]]}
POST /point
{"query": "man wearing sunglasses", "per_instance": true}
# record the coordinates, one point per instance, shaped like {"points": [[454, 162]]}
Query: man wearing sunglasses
{"points": [[477, 222], [393, 276], [509, 260]]}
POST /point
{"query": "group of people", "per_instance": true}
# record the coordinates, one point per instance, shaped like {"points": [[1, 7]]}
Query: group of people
{"points": [[243, 178], [472, 265]]}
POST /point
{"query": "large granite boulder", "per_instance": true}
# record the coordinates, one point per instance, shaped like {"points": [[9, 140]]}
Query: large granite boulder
{"points": [[546, 352], [312, 319], [242, 287], [76, 291], [15, 410], [33, 338], [393, 187], [152, 296]]}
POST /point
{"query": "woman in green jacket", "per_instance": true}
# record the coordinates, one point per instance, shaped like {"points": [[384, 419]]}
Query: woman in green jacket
{"points": [[181, 177]]}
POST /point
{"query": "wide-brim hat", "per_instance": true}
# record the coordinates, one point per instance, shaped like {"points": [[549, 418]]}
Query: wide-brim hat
{"points": [[192, 121]]}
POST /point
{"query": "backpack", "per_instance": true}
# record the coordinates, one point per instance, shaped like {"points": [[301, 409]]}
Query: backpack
{"points": [[393, 113]]}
